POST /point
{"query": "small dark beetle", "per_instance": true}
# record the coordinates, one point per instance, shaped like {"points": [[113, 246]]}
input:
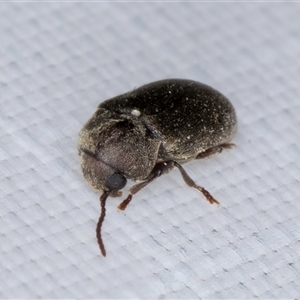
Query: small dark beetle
{"points": [[147, 132]]}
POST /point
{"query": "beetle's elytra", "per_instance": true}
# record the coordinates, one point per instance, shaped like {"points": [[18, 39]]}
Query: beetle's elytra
{"points": [[147, 132]]}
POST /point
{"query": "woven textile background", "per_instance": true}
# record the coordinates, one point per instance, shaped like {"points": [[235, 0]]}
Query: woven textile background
{"points": [[58, 61]]}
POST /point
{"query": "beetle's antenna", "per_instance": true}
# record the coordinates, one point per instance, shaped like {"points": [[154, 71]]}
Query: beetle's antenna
{"points": [[100, 222]]}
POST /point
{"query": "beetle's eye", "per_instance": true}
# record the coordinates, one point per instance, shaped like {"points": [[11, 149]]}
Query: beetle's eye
{"points": [[115, 182]]}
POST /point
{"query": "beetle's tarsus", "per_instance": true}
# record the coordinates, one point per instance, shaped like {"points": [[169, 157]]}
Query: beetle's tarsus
{"points": [[124, 203], [207, 195]]}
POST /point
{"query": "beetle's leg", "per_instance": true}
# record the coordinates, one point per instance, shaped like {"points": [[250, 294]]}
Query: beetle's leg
{"points": [[190, 182], [214, 150], [158, 170]]}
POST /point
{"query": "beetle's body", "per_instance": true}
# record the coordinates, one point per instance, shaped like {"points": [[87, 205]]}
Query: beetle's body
{"points": [[134, 134], [166, 120]]}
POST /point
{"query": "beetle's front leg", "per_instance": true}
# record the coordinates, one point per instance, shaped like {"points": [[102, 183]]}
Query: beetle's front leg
{"points": [[158, 170]]}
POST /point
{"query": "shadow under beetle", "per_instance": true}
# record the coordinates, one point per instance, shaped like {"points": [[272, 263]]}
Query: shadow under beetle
{"points": [[145, 133]]}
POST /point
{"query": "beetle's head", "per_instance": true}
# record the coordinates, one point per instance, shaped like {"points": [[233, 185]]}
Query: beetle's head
{"points": [[100, 175], [116, 147]]}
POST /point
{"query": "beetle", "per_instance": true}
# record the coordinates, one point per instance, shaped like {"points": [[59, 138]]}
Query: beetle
{"points": [[149, 131]]}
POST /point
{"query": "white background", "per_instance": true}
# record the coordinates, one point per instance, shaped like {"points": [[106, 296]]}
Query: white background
{"points": [[58, 61]]}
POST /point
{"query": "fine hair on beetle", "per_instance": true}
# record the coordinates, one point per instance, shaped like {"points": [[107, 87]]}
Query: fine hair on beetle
{"points": [[145, 133]]}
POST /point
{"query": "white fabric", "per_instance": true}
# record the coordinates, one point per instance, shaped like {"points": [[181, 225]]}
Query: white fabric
{"points": [[58, 61]]}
